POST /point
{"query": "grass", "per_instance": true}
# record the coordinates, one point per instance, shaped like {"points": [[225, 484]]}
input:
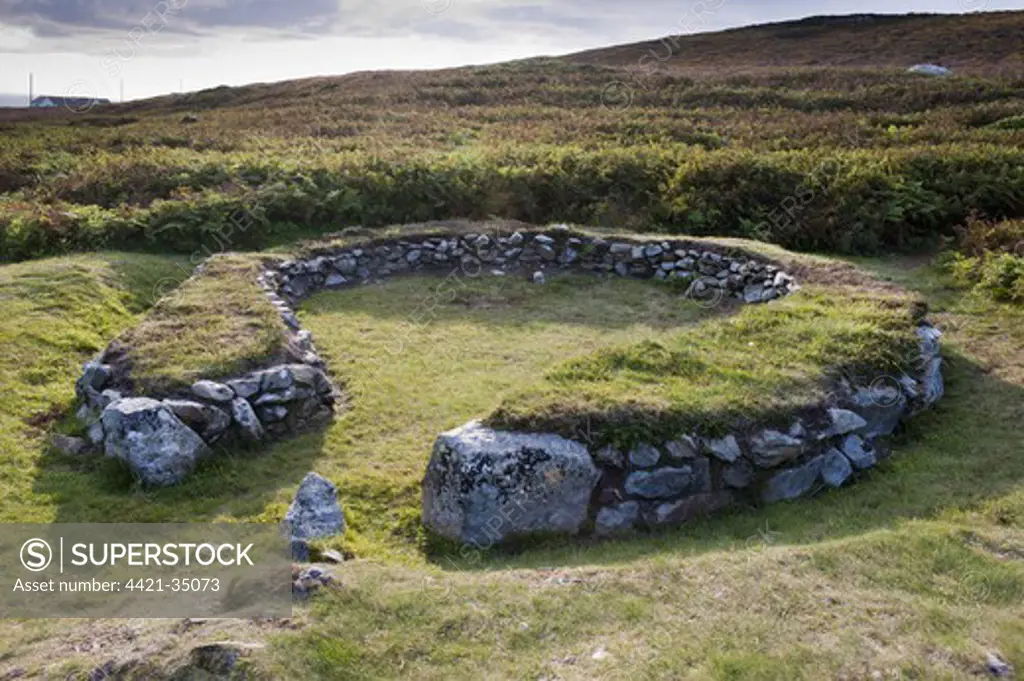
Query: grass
{"points": [[214, 325], [913, 573], [758, 366], [851, 156], [57, 314], [922, 559]]}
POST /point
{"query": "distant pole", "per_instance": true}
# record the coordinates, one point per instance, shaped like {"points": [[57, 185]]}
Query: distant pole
{"points": [[31, 88]]}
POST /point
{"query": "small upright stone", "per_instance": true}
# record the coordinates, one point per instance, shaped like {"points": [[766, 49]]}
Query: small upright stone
{"points": [[245, 417], [860, 456], [314, 513], [836, 470]]}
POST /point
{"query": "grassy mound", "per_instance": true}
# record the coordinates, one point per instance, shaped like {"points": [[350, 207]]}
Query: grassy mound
{"points": [[57, 313], [216, 324], [759, 365]]}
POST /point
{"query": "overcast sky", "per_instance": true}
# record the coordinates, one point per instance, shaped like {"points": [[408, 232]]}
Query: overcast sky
{"points": [[85, 47]]}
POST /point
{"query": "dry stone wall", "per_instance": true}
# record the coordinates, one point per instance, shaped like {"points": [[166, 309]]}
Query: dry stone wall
{"points": [[477, 489], [163, 439]]}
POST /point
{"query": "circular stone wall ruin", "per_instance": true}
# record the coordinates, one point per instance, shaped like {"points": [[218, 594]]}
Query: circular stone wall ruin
{"points": [[483, 486]]}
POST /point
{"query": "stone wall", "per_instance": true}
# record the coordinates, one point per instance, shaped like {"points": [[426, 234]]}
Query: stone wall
{"points": [[163, 439], [484, 486]]}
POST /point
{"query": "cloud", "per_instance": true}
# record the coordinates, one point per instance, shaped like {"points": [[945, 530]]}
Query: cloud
{"points": [[87, 23]]}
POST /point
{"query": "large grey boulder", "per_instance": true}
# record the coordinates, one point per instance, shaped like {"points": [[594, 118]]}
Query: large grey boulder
{"points": [[483, 486], [155, 444]]}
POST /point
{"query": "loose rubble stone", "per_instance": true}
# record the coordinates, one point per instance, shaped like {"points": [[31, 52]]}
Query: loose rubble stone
{"points": [[836, 469], [221, 658], [611, 457], [681, 449], [844, 421], [677, 512], [882, 407], [209, 421], [618, 518], [483, 485], [245, 418], [644, 456], [772, 448], [794, 482], [725, 449], [860, 456], [155, 444], [538, 277], [211, 390], [65, 444], [738, 475], [663, 483]]}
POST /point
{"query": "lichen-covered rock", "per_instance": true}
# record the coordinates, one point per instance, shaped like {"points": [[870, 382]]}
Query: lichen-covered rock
{"points": [[246, 387], [315, 512], [483, 486], [72, 446], [793, 483], [618, 518], [155, 444], [772, 448]]}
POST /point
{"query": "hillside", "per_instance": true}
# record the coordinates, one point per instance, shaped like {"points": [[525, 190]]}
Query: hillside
{"points": [[985, 42]]}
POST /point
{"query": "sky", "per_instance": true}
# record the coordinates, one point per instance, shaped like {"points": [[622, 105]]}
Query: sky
{"points": [[88, 47]]}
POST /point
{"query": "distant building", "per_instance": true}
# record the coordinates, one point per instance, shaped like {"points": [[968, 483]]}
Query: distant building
{"points": [[72, 103]]}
